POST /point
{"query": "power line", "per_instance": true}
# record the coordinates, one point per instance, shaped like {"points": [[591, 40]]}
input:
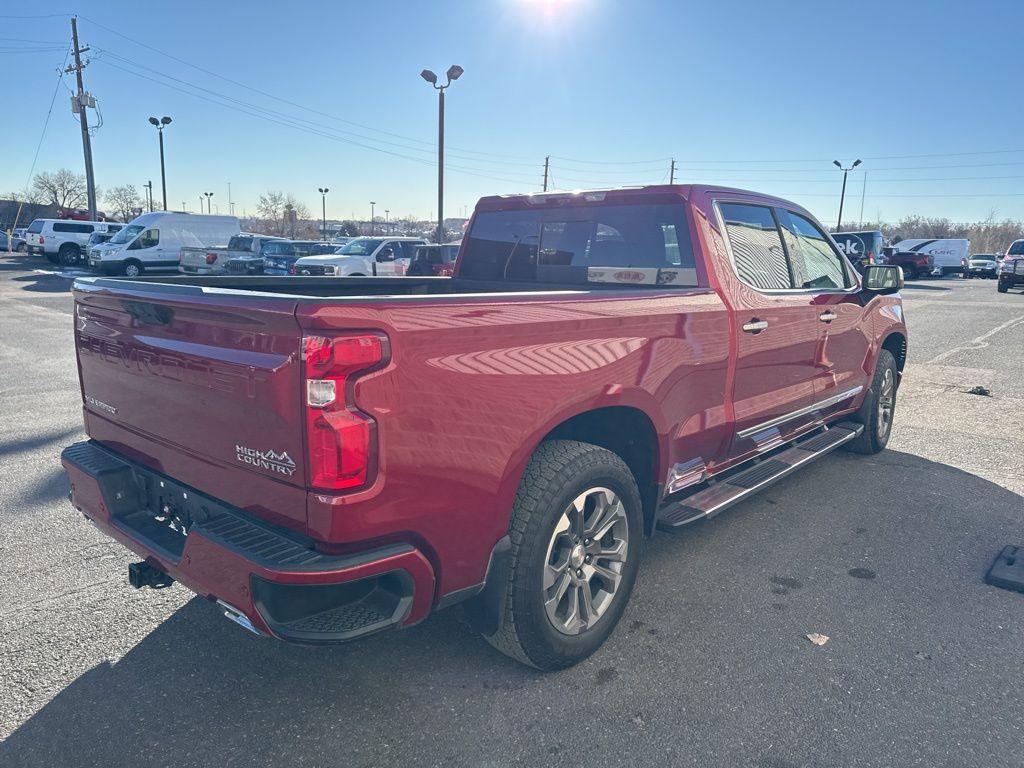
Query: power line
{"points": [[289, 102]]}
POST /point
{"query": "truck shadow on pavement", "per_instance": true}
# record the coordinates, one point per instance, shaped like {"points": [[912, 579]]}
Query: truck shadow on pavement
{"points": [[199, 690]]}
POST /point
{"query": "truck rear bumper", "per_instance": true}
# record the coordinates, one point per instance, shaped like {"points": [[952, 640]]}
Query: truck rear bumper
{"points": [[273, 578]]}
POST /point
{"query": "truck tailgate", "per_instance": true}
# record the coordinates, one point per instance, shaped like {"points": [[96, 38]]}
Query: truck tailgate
{"points": [[204, 386], [195, 258]]}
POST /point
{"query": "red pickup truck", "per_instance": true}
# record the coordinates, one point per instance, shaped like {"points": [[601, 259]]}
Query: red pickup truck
{"points": [[329, 457]]}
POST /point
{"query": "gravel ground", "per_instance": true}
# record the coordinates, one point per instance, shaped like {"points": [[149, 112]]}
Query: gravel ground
{"points": [[709, 666]]}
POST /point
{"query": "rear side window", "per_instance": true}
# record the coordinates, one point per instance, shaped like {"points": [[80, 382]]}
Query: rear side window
{"points": [[79, 229], [1017, 249], [36, 226], [756, 245], [816, 264], [639, 244], [238, 243]]}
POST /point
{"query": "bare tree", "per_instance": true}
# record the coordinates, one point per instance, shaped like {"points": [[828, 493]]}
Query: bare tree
{"points": [[280, 214], [124, 200], [64, 188]]}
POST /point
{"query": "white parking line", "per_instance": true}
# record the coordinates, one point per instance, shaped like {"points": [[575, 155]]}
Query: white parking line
{"points": [[977, 343]]}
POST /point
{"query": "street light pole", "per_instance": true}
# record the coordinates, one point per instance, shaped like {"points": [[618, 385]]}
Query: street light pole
{"points": [[387, 221], [372, 203], [454, 73], [323, 202], [160, 124], [842, 195], [209, 202]]}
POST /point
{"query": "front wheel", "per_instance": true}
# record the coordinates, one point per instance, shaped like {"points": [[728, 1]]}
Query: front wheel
{"points": [[879, 407], [575, 533]]}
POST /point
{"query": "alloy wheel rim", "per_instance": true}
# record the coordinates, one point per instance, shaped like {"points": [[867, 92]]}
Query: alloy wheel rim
{"points": [[585, 560], [886, 402]]}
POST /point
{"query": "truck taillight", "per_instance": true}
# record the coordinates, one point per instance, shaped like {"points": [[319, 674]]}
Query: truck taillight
{"points": [[871, 258], [211, 258], [42, 239], [340, 439]]}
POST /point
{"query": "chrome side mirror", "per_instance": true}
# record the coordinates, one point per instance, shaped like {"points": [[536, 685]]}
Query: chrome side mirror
{"points": [[882, 279]]}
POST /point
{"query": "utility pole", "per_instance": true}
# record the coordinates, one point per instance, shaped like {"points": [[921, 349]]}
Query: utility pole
{"points": [[80, 101], [672, 172], [863, 192], [200, 203], [149, 194], [547, 164], [231, 205]]}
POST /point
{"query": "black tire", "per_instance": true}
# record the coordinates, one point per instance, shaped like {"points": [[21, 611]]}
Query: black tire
{"points": [[1002, 287], [68, 255], [132, 268], [910, 272], [875, 435], [559, 472], [22, 248]]}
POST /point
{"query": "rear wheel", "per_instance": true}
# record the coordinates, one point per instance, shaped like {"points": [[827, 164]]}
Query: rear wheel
{"points": [[132, 268], [879, 406], [575, 533], [68, 254]]}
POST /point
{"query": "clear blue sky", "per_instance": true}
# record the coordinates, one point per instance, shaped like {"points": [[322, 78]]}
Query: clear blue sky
{"points": [[754, 94]]}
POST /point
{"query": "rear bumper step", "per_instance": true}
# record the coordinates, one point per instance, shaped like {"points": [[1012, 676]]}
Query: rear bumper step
{"points": [[719, 496], [272, 581]]}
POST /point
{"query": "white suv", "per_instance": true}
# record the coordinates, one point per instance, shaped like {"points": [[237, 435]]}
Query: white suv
{"points": [[64, 241]]}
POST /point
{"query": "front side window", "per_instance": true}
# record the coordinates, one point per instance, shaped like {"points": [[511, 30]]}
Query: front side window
{"points": [[816, 264], [148, 239], [756, 245], [641, 244]]}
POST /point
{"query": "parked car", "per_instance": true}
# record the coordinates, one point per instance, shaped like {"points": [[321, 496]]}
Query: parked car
{"points": [[64, 241], [98, 238], [861, 248], [1011, 271], [11, 243], [364, 256], [279, 256], [214, 260], [326, 459], [153, 241], [947, 253], [914, 264], [982, 265], [434, 259], [20, 232]]}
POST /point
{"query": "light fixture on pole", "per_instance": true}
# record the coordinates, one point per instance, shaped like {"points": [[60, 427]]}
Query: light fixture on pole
{"points": [[454, 73], [160, 124], [323, 203], [209, 202], [842, 196]]}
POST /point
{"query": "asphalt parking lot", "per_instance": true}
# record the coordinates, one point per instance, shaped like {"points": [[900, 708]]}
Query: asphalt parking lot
{"points": [[710, 665]]}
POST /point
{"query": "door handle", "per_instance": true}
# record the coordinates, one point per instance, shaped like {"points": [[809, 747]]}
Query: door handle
{"points": [[827, 316], [755, 326]]}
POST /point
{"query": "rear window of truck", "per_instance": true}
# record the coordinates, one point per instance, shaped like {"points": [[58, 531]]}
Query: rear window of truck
{"points": [[624, 244], [36, 226], [1017, 249]]}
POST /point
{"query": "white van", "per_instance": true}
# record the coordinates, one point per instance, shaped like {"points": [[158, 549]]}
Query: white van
{"points": [[154, 241], [948, 254], [64, 241]]}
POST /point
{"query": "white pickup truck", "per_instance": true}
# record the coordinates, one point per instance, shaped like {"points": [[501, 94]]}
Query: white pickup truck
{"points": [[213, 261], [364, 257]]}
